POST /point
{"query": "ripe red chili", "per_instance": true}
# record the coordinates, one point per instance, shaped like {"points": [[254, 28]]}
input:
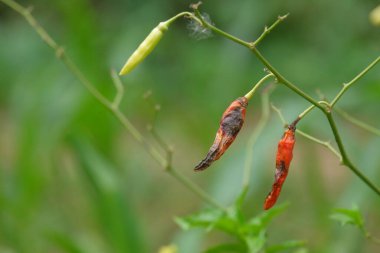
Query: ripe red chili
{"points": [[283, 158], [230, 125]]}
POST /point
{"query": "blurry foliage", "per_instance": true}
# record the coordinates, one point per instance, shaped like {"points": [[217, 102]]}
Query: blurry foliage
{"points": [[71, 180], [249, 234]]}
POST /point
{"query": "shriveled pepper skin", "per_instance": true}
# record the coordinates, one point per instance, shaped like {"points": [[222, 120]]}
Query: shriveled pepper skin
{"points": [[283, 158], [230, 125]]}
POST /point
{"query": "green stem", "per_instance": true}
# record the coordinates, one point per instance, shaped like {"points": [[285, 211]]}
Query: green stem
{"points": [[253, 139], [345, 160], [185, 13], [294, 88], [119, 89], [268, 30], [105, 102], [284, 81], [194, 188], [250, 94], [357, 122], [304, 113], [346, 86], [326, 144], [279, 77], [220, 32]]}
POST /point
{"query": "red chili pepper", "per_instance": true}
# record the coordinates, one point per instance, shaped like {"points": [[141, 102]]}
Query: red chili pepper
{"points": [[283, 158], [230, 125]]}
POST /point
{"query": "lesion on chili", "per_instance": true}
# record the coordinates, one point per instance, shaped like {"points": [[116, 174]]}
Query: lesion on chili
{"points": [[229, 127]]}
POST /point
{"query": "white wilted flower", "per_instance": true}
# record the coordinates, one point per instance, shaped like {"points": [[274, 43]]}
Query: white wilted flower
{"points": [[198, 31]]}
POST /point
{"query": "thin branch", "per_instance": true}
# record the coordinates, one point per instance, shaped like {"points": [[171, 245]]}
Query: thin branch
{"points": [[119, 89], [304, 113], [373, 239], [218, 31], [257, 86], [105, 102], [195, 188], [348, 85], [279, 77], [326, 144], [345, 159], [357, 122], [283, 80], [268, 30], [254, 136]]}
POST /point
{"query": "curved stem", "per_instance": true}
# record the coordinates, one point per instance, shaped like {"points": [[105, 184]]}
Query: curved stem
{"points": [[221, 32], [357, 122], [326, 144], [346, 86], [254, 136], [268, 30], [326, 111], [284, 81], [195, 188], [113, 107], [304, 113], [345, 160], [250, 94], [185, 13]]}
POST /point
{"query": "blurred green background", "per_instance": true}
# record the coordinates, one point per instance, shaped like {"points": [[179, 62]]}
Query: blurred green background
{"points": [[73, 180]]}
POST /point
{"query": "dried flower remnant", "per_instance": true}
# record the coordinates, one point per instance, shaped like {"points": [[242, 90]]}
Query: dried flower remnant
{"points": [[229, 127], [283, 158]]}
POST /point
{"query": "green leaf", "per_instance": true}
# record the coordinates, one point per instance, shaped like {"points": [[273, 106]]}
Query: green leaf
{"points": [[348, 216], [260, 222], [237, 212], [203, 219], [256, 243], [285, 246], [210, 219], [232, 247]]}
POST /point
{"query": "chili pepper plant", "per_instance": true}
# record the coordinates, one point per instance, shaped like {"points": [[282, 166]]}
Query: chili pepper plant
{"points": [[244, 232]]}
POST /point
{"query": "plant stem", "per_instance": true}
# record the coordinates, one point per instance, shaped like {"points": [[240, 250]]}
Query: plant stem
{"points": [[119, 89], [357, 122], [257, 86], [195, 188], [326, 111], [326, 144], [268, 30], [304, 113], [345, 160], [254, 136], [220, 32], [346, 86], [113, 107], [279, 77], [284, 81], [185, 13]]}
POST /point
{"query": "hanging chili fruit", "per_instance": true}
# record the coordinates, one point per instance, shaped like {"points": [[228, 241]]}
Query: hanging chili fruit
{"points": [[145, 48], [283, 158], [230, 125]]}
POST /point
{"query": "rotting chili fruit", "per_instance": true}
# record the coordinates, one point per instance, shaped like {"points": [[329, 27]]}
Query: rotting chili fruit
{"points": [[283, 158], [230, 125]]}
